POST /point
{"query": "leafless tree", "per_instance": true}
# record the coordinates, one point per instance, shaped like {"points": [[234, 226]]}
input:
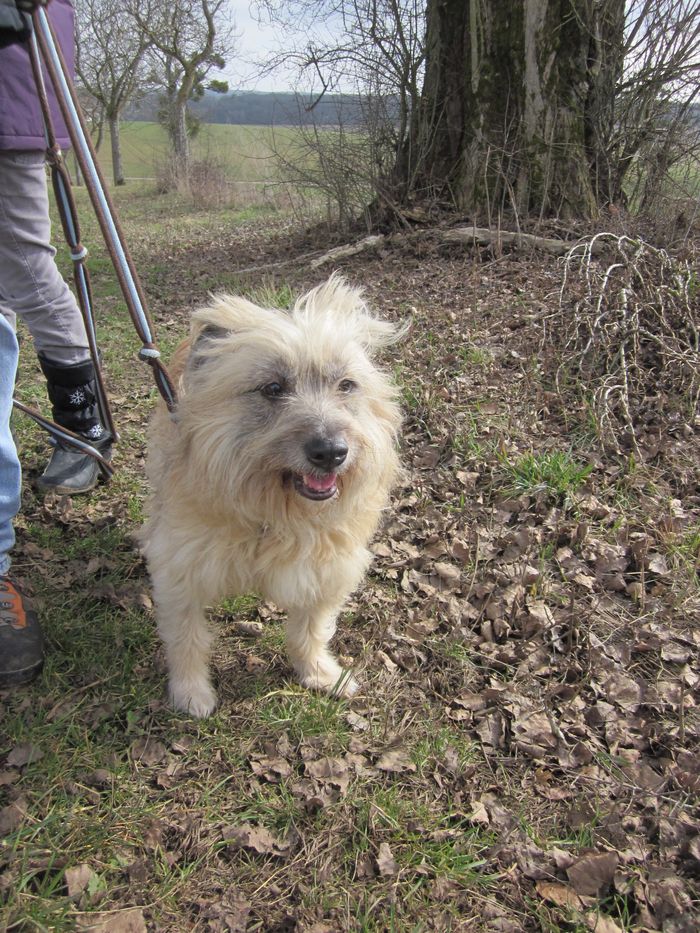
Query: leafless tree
{"points": [[539, 107], [657, 129], [189, 38], [374, 49], [110, 63]]}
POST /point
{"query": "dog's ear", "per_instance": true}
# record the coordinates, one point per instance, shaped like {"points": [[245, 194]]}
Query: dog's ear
{"points": [[374, 334], [336, 298], [203, 343]]}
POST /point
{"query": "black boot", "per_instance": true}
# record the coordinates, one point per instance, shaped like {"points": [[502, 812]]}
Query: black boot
{"points": [[73, 395]]}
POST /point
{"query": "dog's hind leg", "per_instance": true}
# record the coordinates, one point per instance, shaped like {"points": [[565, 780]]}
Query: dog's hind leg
{"points": [[308, 635], [182, 625]]}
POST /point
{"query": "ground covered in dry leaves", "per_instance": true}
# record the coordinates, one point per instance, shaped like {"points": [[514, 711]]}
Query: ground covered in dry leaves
{"points": [[524, 752]]}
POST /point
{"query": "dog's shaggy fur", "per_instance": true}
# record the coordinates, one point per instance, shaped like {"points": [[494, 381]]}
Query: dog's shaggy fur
{"points": [[270, 477]]}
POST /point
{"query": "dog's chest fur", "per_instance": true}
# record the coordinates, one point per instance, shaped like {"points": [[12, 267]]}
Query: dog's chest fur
{"points": [[293, 563]]}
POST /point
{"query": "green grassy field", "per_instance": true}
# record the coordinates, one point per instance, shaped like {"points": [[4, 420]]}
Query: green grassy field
{"points": [[245, 152]]}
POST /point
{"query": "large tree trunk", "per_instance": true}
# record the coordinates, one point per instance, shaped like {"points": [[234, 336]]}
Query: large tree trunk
{"points": [[175, 112], [117, 169], [503, 122]]}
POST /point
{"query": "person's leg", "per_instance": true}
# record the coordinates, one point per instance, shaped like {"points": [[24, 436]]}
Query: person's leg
{"points": [[32, 288], [31, 285], [20, 636]]}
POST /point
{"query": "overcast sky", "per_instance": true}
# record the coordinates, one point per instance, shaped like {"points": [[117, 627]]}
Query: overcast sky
{"points": [[256, 41], [253, 43]]}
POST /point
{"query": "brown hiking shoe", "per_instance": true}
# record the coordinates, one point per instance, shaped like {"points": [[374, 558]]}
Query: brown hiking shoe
{"points": [[21, 643]]}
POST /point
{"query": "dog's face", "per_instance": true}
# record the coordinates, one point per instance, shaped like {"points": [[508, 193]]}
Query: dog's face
{"points": [[289, 405]]}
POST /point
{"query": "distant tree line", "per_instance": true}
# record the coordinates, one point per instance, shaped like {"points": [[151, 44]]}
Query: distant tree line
{"points": [[274, 108], [259, 108]]}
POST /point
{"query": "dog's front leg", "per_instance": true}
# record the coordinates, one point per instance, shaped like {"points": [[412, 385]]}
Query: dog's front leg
{"points": [[308, 635], [182, 625]]}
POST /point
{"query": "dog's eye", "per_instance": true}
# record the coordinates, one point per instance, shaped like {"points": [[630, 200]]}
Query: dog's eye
{"points": [[272, 390], [347, 385]]}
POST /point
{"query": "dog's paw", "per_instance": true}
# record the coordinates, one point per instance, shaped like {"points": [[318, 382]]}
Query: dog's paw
{"points": [[347, 687], [330, 677], [199, 700]]}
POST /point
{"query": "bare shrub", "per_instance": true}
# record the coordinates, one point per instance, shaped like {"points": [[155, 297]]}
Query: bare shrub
{"points": [[167, 176], [628, 330], [337, 162], [671, 208], [366, 162], [209, 185], [206, 183]]}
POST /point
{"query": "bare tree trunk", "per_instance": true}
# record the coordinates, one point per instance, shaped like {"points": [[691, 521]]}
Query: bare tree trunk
{"points": [[503, 122], [117, 170], [100, 134], [179, 135], [174, 119]]}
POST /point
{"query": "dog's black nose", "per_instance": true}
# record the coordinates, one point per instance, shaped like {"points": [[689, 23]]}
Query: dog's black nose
{"points": [[326, 453]]}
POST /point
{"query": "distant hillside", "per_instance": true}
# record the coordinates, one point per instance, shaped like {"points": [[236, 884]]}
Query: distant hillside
{"points": [[275, 108], [261, 109]]}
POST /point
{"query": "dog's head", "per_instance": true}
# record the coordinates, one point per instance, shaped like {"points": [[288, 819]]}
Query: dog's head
{"points": [[290, 403]]}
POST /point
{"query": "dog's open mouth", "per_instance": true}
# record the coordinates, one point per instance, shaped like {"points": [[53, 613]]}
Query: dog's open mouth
{"points": [[316, 487]]}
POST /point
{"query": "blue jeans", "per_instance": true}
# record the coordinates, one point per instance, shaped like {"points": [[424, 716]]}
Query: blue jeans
{"points": [[10, 474]]}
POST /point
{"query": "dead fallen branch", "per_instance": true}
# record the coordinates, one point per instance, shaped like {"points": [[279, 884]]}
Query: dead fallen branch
{"points": [[483, 236], [467, 236], [351, 249]]}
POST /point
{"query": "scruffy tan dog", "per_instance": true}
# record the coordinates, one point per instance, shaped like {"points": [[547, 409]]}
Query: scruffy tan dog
{"points": [[270, 477]]}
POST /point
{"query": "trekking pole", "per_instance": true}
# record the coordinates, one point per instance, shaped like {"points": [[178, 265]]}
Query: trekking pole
{"points": [[68, 213], [101, 202]]}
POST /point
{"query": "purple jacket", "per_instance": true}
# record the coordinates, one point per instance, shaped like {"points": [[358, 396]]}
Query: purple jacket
{"points": [[21, 122]]}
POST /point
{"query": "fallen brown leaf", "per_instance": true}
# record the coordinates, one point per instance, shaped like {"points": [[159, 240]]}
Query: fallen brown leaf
{"points": [[395, 759], [12, 816], [593, 874], [22, 755], [77, 880], [256, 838], [386, 863], [148, 751]]}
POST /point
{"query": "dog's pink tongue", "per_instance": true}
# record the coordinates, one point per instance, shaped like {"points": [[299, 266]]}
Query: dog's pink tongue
{"points": [[320, 483]]}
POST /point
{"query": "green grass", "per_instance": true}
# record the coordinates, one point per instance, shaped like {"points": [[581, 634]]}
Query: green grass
{"points": [[554, 473], [303, 715], [246, 153], [475, 357], [683, 550], [271, 295]]}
